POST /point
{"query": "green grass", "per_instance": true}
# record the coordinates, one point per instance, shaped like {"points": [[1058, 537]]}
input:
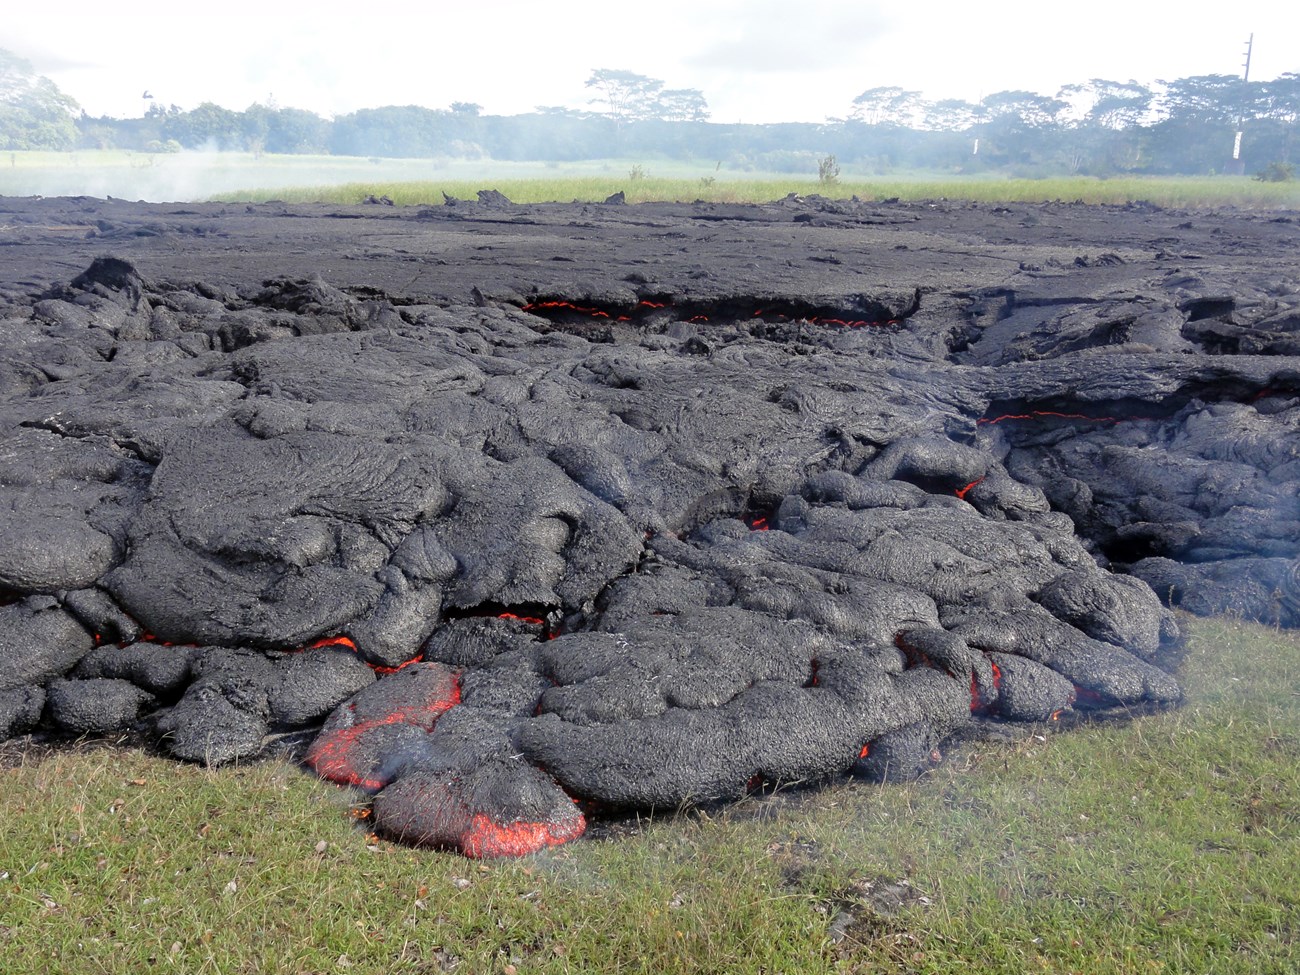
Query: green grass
{"points": [[1168, 192], [1167, 844], [349, 179]]}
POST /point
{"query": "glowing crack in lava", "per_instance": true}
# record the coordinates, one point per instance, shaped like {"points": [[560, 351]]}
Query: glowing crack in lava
{"points": [[353, 746], [648, 310]]}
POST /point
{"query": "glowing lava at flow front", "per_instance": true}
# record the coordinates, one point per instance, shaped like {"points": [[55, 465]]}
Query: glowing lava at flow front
{"points": [[485, 838], [349, 749]]}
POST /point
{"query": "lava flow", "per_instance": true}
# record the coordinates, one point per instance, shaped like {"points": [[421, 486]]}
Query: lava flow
{"points": [[352, 746]]}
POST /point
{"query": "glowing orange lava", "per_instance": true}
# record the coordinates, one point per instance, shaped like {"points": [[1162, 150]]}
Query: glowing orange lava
{"points": [[484, 838], [332, 756], [381, 669], [565, 306], [962, 492], [532, 620], [331, 641]]}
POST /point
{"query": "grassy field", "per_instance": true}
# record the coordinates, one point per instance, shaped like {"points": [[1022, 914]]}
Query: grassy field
{"points": [[1167, 844], [1189, 192], [190, 176]]}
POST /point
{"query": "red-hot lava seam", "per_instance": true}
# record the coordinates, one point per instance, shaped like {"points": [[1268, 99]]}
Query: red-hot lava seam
{"points": [[976, 705], [963, 491], [544, 306], [531, 620], [330, 755], [531, 614], [553, 306], [344, 641]]}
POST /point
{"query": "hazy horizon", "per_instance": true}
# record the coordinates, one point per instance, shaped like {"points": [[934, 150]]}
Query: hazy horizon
{"points": [[765, 61]]}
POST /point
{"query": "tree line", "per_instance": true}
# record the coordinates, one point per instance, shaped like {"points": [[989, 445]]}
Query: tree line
{"points": [[1099, 127]]}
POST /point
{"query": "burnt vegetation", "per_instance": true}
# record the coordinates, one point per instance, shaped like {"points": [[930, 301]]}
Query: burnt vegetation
{"points": [[692, 515]]}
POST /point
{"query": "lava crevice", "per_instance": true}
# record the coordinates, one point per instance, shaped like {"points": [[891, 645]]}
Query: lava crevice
{"points": [[604, 319]]}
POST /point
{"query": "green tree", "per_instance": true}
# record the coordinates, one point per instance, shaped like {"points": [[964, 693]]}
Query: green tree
{"points": [[1110, 135], [297, 130], [681, 105], [34, 113], [1020, 127], [1113, 104], [887, 106], [628, 96], [949, 115], [208, 126]]}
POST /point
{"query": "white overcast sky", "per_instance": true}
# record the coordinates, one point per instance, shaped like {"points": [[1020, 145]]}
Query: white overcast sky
{"points": [[755, 61]]}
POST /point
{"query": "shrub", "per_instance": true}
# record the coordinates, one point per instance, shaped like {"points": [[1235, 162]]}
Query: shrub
{"points": [[828, 171], [1276, 172]]}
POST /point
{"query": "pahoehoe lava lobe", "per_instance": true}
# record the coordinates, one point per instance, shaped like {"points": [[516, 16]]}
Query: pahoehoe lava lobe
{"points": [[524, 514]]}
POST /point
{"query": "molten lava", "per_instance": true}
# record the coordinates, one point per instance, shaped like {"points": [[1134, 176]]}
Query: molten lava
{"points": [[555, 307], [339, 752], [331, 641], [484, 838], [567, 306], [531, 620], [977, 705]]}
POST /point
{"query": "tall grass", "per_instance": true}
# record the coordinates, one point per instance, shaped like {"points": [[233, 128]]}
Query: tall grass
{"points": [[1183, 192], [1170, 844], [190, 176]]}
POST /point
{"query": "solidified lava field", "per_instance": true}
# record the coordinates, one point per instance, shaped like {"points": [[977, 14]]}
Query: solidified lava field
{"points": [[543, 511]]}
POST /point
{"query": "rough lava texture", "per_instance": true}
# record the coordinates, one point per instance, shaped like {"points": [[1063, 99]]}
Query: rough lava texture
{"points": [[546, 510]]}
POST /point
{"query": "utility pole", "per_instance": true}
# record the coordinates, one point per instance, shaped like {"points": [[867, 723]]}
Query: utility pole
{"points": [[1237, 166]]}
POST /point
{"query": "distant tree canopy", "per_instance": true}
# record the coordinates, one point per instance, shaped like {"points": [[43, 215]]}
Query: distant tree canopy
{"points": [[1098, 127], [630, 97], [34, 114]]}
